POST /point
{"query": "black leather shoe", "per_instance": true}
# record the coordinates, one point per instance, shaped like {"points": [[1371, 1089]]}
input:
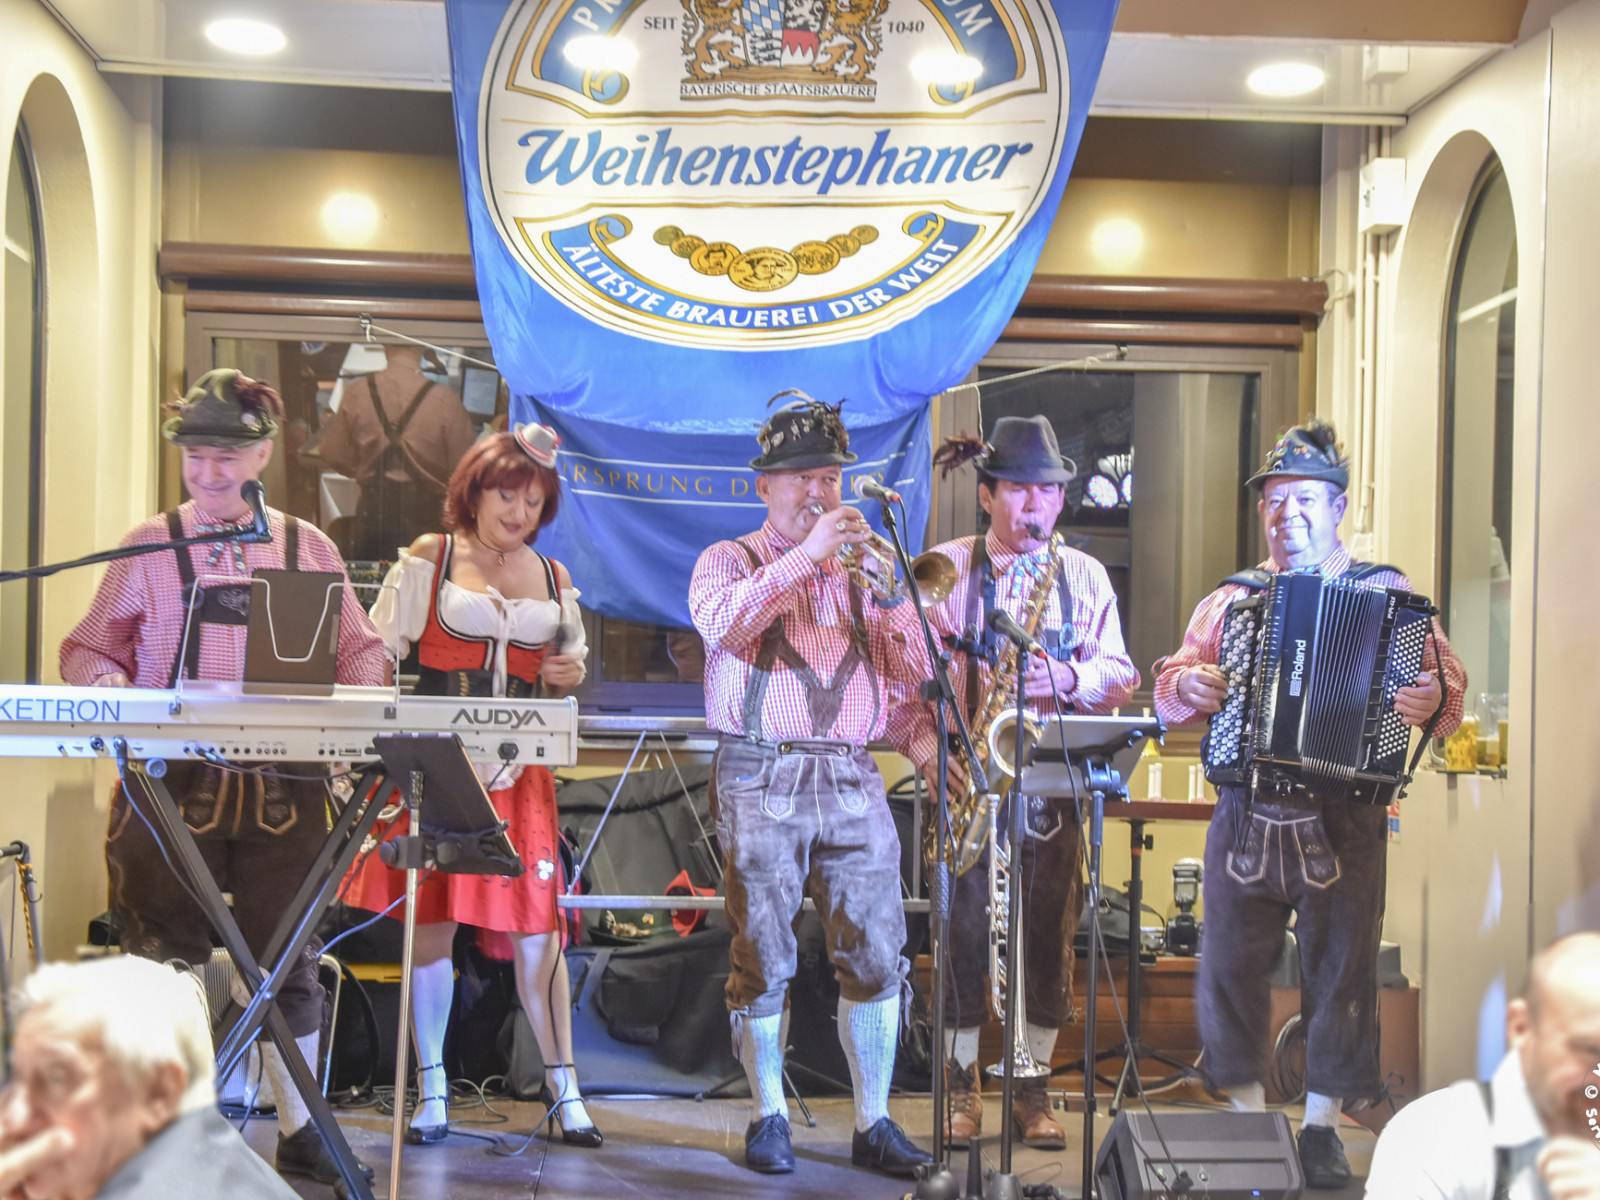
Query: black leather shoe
{"points": [[766, 1146], [1322, 1157], [885, 1147], [303, 1153]]}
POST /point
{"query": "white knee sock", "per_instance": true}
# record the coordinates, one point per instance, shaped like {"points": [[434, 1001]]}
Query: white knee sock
{"points": [[867, 1031], [1322, 1110], [1248, 1097], [761, 1052], [1042, 1043], [961, 1045], [292, 1111]]}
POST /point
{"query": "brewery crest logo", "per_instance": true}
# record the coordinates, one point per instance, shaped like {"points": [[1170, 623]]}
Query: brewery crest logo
{"points": [[757, 174]]}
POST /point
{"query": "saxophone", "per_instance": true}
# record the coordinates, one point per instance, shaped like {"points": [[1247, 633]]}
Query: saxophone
{"points": [[994, 728]]}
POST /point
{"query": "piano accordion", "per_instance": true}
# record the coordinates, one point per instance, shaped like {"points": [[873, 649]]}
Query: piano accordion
{"points": [[1313, 665]]}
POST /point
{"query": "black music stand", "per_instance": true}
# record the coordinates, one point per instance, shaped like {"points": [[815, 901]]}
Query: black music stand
{"points": [[1134, 1048], [462, 835], [148, 794], [1077, 757]]}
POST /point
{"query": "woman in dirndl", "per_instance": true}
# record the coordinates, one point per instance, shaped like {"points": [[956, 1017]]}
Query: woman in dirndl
{"points": [[491, 617]]}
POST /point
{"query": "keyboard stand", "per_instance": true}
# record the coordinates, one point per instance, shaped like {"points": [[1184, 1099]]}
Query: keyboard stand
{"points": [[149, 795]]}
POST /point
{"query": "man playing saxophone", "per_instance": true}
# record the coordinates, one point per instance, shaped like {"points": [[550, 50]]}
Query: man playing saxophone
{"points": [[1067, 597]]}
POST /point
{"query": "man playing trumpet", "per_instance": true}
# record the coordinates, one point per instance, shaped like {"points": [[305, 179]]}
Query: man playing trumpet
{"points": [[803, 667], [1016, 567]]}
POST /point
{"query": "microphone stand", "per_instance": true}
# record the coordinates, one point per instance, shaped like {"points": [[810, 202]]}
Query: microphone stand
{"points": [[936, 1181], [256, 533]]}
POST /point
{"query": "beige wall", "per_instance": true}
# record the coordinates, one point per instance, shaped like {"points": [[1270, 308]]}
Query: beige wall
{"points": [[95, 145], [1462, 878]]}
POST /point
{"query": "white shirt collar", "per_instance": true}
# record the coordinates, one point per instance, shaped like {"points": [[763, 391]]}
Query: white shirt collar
{"points": [[1516, 1122]]}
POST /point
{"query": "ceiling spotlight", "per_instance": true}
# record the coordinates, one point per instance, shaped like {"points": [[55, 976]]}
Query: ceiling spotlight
{"points": [[240, 35], [946, 67], [1286, 79], [600, 53]]}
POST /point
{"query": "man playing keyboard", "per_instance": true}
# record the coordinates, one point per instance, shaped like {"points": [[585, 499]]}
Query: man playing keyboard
{"points": [[258, 829]]}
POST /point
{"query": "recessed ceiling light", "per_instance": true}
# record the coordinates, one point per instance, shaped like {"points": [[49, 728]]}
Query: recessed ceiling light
{"points": [[601, 53], [240, 35], [1286, 79], [946, 67]]}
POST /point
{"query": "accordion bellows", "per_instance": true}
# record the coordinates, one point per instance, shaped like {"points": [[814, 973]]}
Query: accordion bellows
{"points": [[1313, 665]]}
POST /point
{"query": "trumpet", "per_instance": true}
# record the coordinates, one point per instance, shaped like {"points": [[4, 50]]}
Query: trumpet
{"points": [[873, 564]]}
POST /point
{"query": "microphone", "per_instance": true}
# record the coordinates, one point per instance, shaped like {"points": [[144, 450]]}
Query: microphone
{"points": [[1006, 626], [255, 496], [871, 489]]}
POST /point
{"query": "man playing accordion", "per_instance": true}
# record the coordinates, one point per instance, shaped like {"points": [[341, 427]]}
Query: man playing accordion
{"points": [[1321, 859]]}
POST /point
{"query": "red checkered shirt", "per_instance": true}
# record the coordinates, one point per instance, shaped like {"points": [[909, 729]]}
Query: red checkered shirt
{"points": [[1106, 676], [1202, 643], [137, 618], [732, 605]]}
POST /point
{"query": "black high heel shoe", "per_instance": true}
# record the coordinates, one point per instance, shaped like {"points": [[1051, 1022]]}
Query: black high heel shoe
{"points": [[426, 1135], [584, 1135]]}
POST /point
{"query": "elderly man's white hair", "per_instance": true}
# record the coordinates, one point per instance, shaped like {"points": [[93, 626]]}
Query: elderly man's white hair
{"points": [[142, 1013]]}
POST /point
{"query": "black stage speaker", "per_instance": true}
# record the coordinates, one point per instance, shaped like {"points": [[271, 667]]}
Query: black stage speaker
{"points": [[1227, 1155]]}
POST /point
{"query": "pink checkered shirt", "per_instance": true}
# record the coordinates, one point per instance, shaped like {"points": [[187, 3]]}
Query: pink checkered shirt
{"points": [[1106, 676], [1202, 643], [732, 605], [137, 619]]}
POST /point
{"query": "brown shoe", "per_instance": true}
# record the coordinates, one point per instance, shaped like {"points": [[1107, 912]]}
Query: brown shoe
{"points": [[966, 1104], [1030, 1117]]}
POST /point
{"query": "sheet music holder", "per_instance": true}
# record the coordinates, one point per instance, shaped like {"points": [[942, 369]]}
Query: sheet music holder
{"points": [[461, 832], [292, 635], [1067, 743]]}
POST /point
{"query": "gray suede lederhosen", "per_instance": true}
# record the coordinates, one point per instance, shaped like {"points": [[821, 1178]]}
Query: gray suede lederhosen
{"points": [[803, 816]]}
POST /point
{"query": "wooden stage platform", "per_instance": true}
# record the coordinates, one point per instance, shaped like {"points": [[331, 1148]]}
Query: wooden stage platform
{"points": [[687, 1150]]}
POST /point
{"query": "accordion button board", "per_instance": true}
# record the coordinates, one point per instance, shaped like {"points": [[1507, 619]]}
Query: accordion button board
{"points": [[1313, 665]]}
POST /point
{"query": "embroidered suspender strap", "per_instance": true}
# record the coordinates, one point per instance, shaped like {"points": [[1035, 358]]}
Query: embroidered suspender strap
{"points": [[1253, 578], [1066, 639], [194, 597], [1366, 570], [394, 430], [979, 639], [822, 702], [189, 649], [1502, 1154]]}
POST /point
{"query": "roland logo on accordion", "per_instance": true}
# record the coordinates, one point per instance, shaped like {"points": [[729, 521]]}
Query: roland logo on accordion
{"points": [[1313, 665]]}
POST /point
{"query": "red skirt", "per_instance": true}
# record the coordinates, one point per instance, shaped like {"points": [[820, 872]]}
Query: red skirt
{"points": [[526, 904]]}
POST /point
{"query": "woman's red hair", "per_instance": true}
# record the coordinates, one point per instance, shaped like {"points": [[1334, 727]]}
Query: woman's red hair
{"points": [[496, 461]]}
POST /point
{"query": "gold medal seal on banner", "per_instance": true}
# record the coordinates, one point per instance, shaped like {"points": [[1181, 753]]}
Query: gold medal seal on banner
{"points": [[766, 268], [763, 270]]}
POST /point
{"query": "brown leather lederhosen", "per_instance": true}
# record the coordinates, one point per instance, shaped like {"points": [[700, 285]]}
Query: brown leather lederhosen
{"points": [[822, 700], [257, 831]]}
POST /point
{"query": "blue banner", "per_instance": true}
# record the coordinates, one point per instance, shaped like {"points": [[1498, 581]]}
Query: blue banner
{"points": [[679, 208], [637, 508]]}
